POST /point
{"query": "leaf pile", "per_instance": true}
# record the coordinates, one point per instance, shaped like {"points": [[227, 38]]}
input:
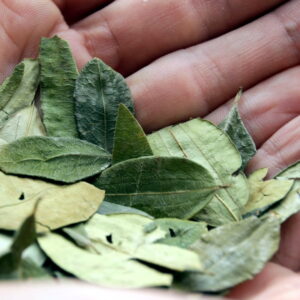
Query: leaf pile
{"points": [[86, 194]]}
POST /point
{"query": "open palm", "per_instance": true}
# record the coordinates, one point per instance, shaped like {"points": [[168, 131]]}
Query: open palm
{"points": [[185, 59]]}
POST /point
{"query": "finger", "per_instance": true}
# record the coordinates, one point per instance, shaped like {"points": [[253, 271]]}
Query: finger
{"points": [[74, 10], [280, 150], [271, 113], [289, 251], [274, 282], [264, 108], [194, 81], [22, 23], [77, 290], [129, 34]]}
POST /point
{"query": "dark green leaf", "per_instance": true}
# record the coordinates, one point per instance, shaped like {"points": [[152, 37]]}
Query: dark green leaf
{"points": [[99, 91], [160, 186], [109, 208], [232, 254], [61, 159], [130, 140], [206, 144], [235, 128], [58, 76]]}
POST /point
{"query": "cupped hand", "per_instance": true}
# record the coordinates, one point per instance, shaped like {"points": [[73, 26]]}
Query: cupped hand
{"points": [[185, 59]]}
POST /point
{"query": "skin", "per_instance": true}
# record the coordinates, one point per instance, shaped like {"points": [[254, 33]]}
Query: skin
{"points": [[184, 59]]}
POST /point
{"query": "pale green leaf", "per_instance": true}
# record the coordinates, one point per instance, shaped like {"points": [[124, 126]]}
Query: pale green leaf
{"points": [[130, 140], [180, 233], [110, 270], [18, 90], [26, 122], [109, 208], [206, 144], [291, 172], [160, 186], [235, 128], [265, 193], [291, 203], [61, 159], [125, 234], [58, 76], [60, 205], [232, 253], [99, 91]]}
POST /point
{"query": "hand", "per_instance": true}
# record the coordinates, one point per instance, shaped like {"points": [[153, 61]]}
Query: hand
{"points": [[185, 59]]}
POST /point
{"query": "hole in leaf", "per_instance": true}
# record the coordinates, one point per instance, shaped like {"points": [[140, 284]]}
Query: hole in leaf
{"points": [[22, 196], [109, 238], [172, 232], [236, 173]]}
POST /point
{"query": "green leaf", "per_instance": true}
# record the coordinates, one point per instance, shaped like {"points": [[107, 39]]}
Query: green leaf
{"points": [[99, 91], [26, 122], [130, 140], [18, 90], [58, 76], [232, 254], [125, 234], [291, 203], [109, 208], [206, 144], [235, 128], [61, 159], [57, 207], [110, 270], [180, 233], [161, 186], [265, 193]]}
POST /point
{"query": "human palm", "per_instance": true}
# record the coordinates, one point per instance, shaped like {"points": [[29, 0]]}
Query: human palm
{"points": [[184, 59]]}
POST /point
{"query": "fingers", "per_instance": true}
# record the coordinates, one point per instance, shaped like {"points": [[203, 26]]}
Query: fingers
{"points": [[129, 34], [193, 82], [289, 251], [73, 10], [22, 23], [280, 150], [274, 282], [271, 113], [77, 290]]}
